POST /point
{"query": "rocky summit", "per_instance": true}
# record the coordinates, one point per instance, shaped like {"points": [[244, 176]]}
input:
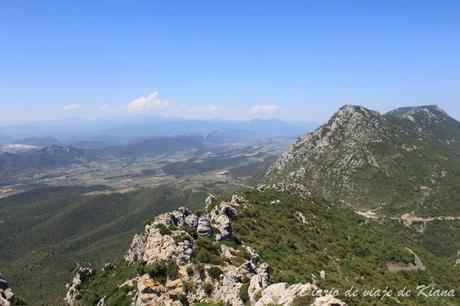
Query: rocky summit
{"points": [[185, 258], [384, 162]]}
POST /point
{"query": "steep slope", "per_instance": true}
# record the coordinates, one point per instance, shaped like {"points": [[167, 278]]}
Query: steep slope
{"points": [[407, 159]]}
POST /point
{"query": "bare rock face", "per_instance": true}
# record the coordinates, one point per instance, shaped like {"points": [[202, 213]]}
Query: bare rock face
{"points": [[82, 274], [164, 247], [150, 292], [6, 293], [224, 209], [258, 282], [137, 249]]}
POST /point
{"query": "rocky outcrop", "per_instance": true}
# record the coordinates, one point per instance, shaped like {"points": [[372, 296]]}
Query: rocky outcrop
{"points": [[204, 228], [164, 247], [7, 297], [183, 261], [258, 282], [73, 293], [224, 227], [137, 248]]}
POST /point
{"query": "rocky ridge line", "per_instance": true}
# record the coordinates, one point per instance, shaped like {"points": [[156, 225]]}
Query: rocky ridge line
{"points": [[176, 236]]}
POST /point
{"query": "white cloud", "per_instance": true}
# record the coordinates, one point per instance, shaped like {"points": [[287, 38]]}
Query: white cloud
{"points": [[71, 107], [150, 102], [264, 109]]}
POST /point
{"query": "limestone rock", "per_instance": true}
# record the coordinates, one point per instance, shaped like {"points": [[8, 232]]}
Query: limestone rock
{"points": [[204, 228], [163, 247], [150, 292], [228, 290], [258, 282], [137, 248], [225, 228], [283, 293], [176, 243], [192, 221], [328, 300]]}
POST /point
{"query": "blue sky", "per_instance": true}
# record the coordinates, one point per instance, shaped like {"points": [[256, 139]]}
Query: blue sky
{"points": [[294, 60]]}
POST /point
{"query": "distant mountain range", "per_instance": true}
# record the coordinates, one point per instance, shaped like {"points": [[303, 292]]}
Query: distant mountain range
{"points": [[95, 134]]}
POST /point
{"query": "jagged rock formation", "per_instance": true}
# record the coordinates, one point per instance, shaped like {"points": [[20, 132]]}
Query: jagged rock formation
{"points": [[73, 293], [185, 258], [6, 293], [359, 156]]}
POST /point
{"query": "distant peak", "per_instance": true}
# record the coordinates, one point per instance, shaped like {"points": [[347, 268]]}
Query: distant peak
{"points": [[406, 112]]}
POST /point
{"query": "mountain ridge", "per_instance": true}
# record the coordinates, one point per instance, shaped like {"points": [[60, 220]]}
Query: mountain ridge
{"points": [[358, 151]]}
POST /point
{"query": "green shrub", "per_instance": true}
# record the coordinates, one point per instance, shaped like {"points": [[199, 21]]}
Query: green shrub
{"points": [[200, 270], [189, 271], [215, 272], [207, 287], [244, 295], [207, 251], [191, 231], [178, 239], [258, 296], [302, 300], [164, 230], [182, 298], [189, 287], [162, 270], [172, 270]]}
